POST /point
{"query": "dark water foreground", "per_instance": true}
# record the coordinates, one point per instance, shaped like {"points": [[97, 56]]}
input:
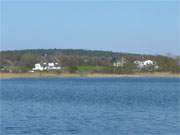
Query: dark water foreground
{"points": [[90, 106]]}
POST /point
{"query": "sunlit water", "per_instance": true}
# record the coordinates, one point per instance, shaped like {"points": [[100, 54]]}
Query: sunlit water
{"points": [[90, 106]]}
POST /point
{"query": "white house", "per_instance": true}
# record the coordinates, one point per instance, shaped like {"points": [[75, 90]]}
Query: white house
{"points": [[120, 62], [52, 66], [46, 66], [117, 64], [146, 63], [140, 64], [38, 67]]}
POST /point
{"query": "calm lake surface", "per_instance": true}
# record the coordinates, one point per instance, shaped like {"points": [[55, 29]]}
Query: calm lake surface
{"points": [[90, 106]]}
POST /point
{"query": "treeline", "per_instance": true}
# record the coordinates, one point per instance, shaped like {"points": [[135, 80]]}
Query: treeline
{"points": [[24, 60]]}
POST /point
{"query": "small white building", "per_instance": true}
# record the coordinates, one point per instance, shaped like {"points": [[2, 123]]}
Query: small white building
{"points": [[120, 62], [117, 64], [38, 67], [146, 63], [46, 66], [53, 66], [140, 64]]}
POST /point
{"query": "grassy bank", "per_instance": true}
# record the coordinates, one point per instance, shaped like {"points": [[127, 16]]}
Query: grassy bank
{"points": [[53, 74]]}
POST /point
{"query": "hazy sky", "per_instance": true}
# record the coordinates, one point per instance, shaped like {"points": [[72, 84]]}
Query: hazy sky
{"points": [[136, 27]]}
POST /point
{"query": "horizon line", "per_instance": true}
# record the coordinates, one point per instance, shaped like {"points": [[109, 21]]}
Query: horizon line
{"points": [[167, 54]]}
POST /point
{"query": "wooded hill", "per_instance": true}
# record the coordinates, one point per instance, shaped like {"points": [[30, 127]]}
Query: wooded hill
{"points": [[24, 60]]}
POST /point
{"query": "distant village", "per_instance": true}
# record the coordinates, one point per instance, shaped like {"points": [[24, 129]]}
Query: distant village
{"points": [[54, 66], [139, 64], [83, 61]]}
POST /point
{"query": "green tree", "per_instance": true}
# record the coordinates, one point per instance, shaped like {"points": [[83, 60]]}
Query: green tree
{"points": [[73, 69], [28, 60]]}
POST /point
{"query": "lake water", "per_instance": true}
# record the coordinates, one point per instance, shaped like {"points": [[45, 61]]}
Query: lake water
{"points": [[90, 106]]}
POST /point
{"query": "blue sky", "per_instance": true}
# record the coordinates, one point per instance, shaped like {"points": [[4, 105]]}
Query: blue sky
{"points": [[136, 27]]}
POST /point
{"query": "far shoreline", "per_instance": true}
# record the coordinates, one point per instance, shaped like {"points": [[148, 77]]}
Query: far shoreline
{"points": [[88, 75]]}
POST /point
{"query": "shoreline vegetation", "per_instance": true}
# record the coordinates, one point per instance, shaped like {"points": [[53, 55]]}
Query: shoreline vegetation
{"points": [[85, 63], [69, 75]]}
